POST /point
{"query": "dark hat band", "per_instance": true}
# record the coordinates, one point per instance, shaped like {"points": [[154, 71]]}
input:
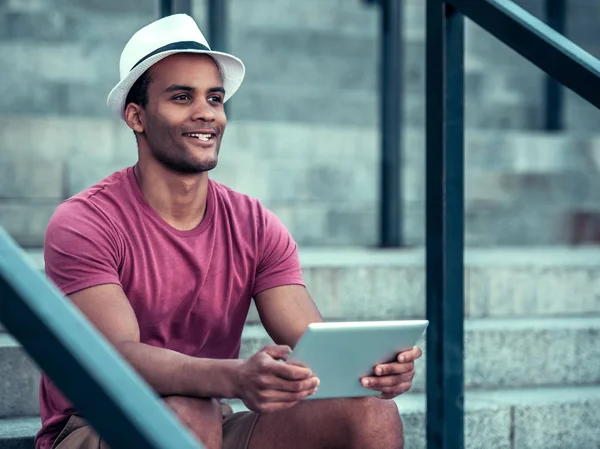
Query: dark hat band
{"points": [[182, 45]]}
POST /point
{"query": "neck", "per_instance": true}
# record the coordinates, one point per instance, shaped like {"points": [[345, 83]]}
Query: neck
{"points": [[179, 199]]}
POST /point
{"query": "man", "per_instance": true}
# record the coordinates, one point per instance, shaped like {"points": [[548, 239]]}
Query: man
{"points": [[164, 262]]}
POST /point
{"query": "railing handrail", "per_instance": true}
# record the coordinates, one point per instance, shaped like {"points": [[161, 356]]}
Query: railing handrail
{"points": [[93, 376], [545, 47]]}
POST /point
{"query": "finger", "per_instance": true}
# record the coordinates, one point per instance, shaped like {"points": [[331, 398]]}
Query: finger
{"points": [[397, 389], [376, 383], [410, 356], [268, 396], [289, 371], [278, 352], [292, 386], [394, 368]]}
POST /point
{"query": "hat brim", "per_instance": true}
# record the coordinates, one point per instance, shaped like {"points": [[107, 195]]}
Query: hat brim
{"points": [[232, 74]]}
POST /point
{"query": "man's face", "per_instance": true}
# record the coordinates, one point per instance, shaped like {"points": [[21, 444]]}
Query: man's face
{"points": [[184, 120]]}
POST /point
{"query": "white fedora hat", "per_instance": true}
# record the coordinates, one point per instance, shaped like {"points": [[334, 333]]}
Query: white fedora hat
{"points": [[173, 34]]}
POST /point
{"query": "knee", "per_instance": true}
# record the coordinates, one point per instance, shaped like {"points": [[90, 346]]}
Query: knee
{"points": [[202, 416], [374, 423]]}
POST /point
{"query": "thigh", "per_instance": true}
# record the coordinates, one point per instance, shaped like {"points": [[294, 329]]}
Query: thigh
{"points": [[329, 423], [314, 424]]}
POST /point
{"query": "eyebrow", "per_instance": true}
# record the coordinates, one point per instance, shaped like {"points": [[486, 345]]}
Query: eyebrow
{"points": [[183, 87]]}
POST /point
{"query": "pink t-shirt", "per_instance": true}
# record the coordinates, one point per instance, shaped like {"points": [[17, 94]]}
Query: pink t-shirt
{"points": [[190, 290]]}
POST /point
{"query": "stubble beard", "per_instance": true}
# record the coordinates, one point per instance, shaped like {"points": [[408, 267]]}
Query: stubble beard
{"points": [[177, 158], [182, 163]]}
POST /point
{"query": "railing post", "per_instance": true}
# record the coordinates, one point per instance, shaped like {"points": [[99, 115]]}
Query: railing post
{"points": [[556, 12], [445, 225], [168, 7], [217, 29], [391, 123], [217, 24], [390, 97]]}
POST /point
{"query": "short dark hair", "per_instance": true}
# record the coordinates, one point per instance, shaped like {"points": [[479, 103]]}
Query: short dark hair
{"points": [[138, 93]]}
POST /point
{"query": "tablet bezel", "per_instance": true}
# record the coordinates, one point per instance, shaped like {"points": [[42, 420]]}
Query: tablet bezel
{"points": [[356, 347]]}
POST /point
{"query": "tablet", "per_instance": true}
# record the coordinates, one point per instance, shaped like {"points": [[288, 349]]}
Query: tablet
{"points": [[340, 353]]}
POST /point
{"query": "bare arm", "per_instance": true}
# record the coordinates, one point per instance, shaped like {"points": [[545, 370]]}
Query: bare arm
{"points": [[168, 372], [285, 313]]}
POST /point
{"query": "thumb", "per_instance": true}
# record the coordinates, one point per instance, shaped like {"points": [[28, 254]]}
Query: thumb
{"points": [[278, 352]]}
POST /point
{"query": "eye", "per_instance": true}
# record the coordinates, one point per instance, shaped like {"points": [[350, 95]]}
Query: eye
{"points": [[181, 97], [216, 98]]}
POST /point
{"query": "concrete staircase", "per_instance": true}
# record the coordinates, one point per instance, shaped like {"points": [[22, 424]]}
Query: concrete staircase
{"points": [[304, 140], [522, 187], [532, 366]]}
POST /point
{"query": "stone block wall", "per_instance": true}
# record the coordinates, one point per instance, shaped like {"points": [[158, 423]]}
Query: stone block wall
{"points": [[303, 129], [311, 61], [522, 188]]}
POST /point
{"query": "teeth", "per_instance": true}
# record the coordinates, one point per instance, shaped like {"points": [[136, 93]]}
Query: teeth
{"points": [[201, 136]]}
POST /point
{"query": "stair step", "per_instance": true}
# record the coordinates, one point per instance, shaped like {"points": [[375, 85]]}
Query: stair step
{"points": [[256, 142], [19, 380], [499, 353], [355, 105], [303, 17], [512, 151], [552, 172], [271, 37], [541, 418], [508, 353], [18, 433], [304, 105], [371, 284], [507, 350], [340, 42]]}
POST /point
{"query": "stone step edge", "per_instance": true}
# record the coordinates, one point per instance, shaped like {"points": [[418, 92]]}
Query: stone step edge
{"points": [[323, 257], [18, 428], [75, 120], [257, 331], [481, 400], [492, 399]]}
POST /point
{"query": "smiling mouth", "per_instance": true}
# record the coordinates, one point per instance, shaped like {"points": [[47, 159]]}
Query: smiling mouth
{"points": [[201, 136]]}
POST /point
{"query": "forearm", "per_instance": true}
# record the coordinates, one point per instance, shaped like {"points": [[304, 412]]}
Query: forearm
{"points": [[172, 373]]}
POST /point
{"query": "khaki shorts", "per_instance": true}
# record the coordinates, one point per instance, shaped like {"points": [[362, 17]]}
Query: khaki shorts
{"points": [[237, 430]]}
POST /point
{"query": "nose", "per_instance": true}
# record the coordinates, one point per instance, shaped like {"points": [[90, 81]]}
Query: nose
{"points": [[203, 111]]}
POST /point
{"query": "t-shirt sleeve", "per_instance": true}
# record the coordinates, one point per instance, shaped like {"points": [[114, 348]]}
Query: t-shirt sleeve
{"points": [[278, 263], [81, 248]]}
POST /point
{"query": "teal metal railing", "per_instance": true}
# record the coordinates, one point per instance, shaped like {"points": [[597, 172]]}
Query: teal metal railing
{"points": [[559, 58], [101, 385]]}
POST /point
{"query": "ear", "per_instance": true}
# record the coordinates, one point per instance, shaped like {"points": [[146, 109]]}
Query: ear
{"points": [[134, 117]]}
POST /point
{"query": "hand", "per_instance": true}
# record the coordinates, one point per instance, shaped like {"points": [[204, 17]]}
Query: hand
{"points": [[393, 379], [265, 384]]}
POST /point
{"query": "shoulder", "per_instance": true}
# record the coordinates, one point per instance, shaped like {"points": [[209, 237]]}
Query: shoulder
{"points": [[83, 245], [239, 204], [89, 210], [249, 212]]}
